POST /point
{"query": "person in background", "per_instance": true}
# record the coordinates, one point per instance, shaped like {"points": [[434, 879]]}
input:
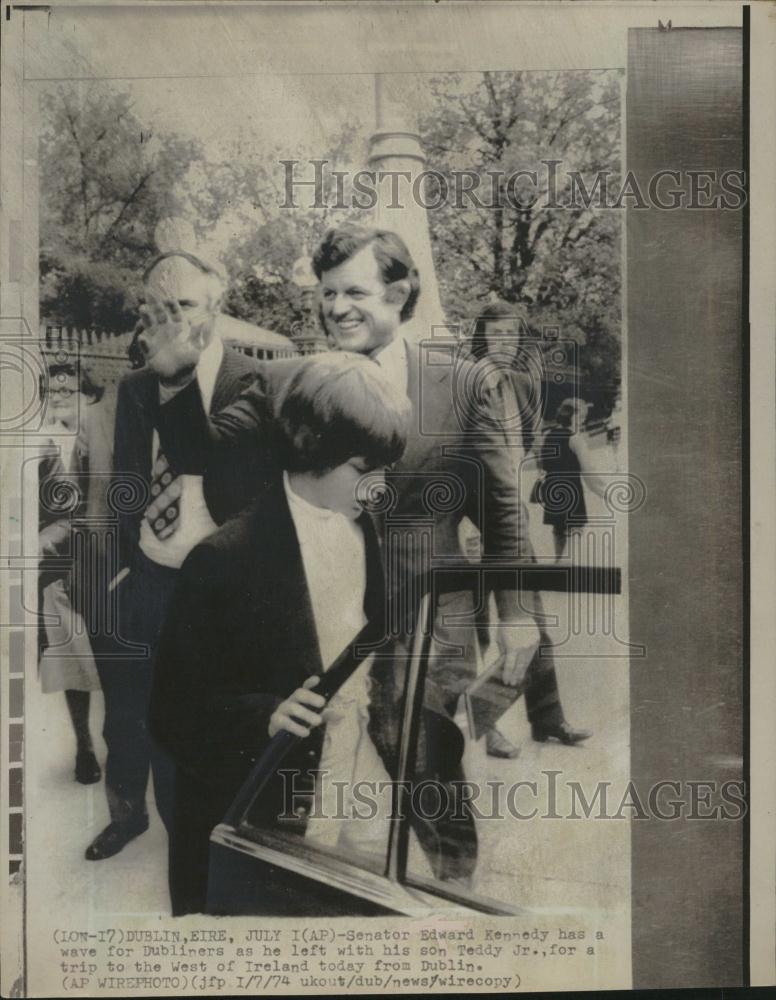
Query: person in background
{"points": [[567, 467], [502, 339], [509, 362], [510, 366], [498, 346], [79, 424], [154, 537]]}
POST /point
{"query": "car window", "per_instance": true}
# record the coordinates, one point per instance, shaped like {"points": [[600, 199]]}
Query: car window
{"points": [[507, 815], [331, 792]]}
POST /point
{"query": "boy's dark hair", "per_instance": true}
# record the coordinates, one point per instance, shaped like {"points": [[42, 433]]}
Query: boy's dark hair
{"points": [[339, 406], [391, 253], [86, 384]]}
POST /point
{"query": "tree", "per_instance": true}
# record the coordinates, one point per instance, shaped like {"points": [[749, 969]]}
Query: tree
{"points": [[528, 241], [105, 181], [270, 237]]}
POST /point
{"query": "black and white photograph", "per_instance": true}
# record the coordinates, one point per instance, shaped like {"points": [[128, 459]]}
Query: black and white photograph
{"points": [[377, 536]]}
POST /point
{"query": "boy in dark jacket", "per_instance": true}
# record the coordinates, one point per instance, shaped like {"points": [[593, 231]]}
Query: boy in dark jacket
{"points": [[269, 601]]}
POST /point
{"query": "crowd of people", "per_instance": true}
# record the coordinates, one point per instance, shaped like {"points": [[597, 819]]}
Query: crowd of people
{"points": [[266, 512]]}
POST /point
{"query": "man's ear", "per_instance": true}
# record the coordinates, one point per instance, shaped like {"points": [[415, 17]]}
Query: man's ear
{"points": [[398, 292]]}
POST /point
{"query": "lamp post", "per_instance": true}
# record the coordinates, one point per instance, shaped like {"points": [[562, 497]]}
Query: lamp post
{"points": [[395, 149], [306, 334]]}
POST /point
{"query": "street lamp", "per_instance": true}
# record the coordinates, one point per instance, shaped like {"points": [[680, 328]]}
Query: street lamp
{"points": [[395, 148], [306, 333]]}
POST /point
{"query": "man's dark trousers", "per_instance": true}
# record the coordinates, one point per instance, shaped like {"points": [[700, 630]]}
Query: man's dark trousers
{"points": [[126, 676]]}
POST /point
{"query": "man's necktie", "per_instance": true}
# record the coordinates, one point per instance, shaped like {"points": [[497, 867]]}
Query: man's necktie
{"points": [[163, 512]]}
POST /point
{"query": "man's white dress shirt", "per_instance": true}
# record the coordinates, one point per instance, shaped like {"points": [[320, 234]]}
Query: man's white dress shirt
{"points": [[194, 520], [393, 360]]}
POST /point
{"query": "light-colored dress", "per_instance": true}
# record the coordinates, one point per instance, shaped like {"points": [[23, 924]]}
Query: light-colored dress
{"points": [[67, 661]]}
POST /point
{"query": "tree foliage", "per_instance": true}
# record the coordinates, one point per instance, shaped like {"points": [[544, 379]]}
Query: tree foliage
{"points": [[270, 237], [105, 181], [107, 177], [527, 242]]}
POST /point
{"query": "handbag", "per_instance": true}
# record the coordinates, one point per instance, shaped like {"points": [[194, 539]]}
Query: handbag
{"points": [[67, 664]]}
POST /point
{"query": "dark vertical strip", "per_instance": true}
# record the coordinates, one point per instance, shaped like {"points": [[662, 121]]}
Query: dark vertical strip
{"points": [[15, 787], [16, 697], [745, 493], [685, 358], [15, 741], [15, 841]]}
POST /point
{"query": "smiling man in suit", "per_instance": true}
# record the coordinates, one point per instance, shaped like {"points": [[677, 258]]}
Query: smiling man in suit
{"points": [[174, 512], [457, 463]]}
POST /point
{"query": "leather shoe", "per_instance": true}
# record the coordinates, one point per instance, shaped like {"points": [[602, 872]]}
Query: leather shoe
{"points": [[497, 745], [560, 731], [87, 770], [115, 838]]}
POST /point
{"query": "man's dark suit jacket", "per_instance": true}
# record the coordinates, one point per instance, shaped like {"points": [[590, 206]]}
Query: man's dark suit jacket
{"points": [[457, 462], [239, 638], [227, 486]]}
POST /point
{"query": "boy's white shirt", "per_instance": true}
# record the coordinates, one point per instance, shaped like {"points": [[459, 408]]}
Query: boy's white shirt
{"points": [[334, 558]]}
